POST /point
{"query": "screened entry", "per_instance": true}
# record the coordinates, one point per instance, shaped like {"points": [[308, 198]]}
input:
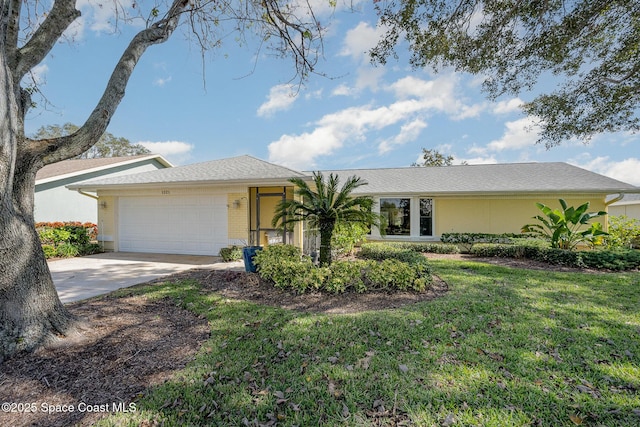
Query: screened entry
{"points": [[262, 208]]}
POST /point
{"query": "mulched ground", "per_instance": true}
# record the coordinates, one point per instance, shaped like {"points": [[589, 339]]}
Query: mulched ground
{"points": [[129, 344]]}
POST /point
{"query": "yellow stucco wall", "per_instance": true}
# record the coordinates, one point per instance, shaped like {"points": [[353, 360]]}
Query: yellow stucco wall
{"points": [[480, 214], [497, 215], [238, 216]]}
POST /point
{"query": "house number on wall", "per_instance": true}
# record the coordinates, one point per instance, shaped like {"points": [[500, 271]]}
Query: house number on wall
{"points": [[165, 192]]}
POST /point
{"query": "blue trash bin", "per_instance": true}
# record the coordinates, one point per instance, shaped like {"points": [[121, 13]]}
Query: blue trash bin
{"points": [[247, 254]]}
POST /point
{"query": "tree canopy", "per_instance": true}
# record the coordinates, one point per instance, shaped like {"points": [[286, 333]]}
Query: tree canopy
{"points": [[590, 48], [107, 146], [433, 157]]}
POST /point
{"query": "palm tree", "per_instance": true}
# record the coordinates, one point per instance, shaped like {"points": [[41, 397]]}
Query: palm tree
{"points": [[324, 206]]}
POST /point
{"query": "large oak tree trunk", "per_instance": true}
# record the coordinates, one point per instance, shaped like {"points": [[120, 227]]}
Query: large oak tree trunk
{"points": [[31, 313]]}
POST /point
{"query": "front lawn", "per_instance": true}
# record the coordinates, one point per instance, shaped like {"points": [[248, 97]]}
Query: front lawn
{"points": [[504, 347]]}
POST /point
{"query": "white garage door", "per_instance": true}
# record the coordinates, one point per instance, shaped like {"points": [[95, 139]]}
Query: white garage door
{"points": [[195, 225]]}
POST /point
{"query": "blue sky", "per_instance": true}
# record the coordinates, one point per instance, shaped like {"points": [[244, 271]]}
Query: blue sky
{"points": [[237, 101]]}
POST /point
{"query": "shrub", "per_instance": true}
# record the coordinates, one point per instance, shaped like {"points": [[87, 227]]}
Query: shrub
{"points": [[466, 240], [347, 235], [565, 228], [623, 231], [67, 250], [49, 251], [393, 274], [598, 259], [285, 267], [78, 234], [54, 236], [420, 247], [59, 237], [345, 276], [612, 260], [90, 249], [233, 253]]}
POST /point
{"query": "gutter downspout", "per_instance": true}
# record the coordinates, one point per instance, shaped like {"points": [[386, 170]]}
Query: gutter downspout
{"points": [[79, 190], [87, 194], [615, 199]]}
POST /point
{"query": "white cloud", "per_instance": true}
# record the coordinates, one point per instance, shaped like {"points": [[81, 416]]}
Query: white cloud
{"points": [[436, 95], [625, 170], [408, 132], [507, 107], [176, 152], [488, 160], [162, 81], [517, 135], [299, 151], [359, 40], [356, 45], [415, 100], [342, 90], [281, 97]]}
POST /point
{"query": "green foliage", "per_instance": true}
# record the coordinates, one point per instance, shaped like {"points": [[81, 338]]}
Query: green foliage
{"points": [[346, 276], [67, 239], [420, 247], [54, 236], [286, 268], [588, 45], [382, 250], [78, 235], [529, 249], [347, 235], [565, 228], [434, 158], [467, 240], [49, 251], [67, 250], [623, 232], [90, 249], [324, 205], [233, 253]]}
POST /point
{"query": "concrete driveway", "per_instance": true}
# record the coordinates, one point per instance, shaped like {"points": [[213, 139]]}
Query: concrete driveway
{"points": [[80, 278]]}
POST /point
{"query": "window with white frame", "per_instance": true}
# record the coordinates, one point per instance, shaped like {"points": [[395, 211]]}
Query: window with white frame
{"points": [[426, 217], [407, 216], [396, 214]]}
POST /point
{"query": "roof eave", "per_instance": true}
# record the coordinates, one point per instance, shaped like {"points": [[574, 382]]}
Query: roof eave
{"points": [[157, 157], [264, 182]]}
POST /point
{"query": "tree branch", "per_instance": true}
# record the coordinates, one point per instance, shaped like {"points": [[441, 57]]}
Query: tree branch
{"points": [[57, 149], [13, 27], [62, 14]]}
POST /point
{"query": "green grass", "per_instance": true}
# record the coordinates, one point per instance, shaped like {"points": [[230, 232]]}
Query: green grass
{"points": [[505, 347]]}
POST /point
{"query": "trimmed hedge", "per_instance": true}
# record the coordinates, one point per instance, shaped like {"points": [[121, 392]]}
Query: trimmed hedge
{"points": [[419, 247], [287, 268], [467, 240], [598, 259]]}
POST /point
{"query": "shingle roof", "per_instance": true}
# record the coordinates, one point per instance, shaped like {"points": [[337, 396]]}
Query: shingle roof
{"points": [[234, 169], [76, 166], [494, 178], [629, 199]]}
